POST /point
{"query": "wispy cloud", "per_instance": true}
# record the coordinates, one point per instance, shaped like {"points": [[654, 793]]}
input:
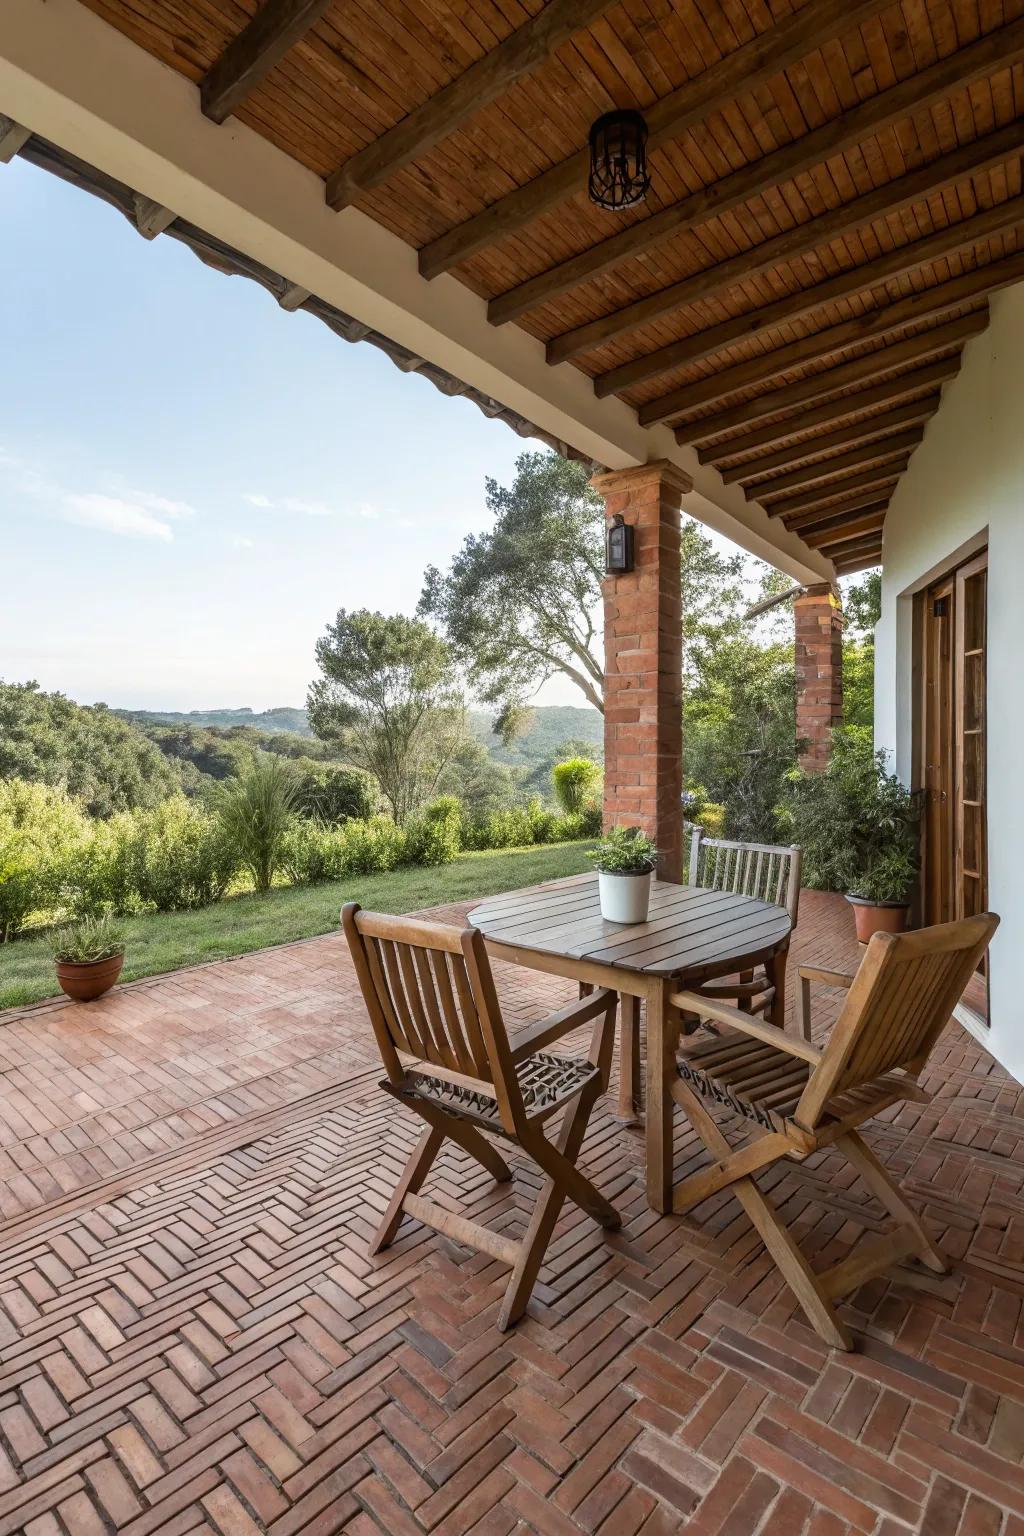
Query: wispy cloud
{"points": [[241, 542], [113, 515], [256, 499], [301, 507], [127, 512]]}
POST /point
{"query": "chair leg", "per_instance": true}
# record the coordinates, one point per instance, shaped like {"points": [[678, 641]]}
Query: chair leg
{"points": [[795, 1270], [416, 1170], [558, 1160], [889, 1194], [629, 1058]]}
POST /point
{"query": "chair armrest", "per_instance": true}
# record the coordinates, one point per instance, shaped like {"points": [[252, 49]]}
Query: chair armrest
{"points": [[527, 1041], [827, 978], [693, 1002]]}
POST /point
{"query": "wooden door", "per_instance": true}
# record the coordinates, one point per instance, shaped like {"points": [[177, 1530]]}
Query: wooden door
{"points": [[953, 649]]}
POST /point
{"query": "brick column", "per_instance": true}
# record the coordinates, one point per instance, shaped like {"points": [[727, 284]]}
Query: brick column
{"points": [[643, 720], [818, 616]]}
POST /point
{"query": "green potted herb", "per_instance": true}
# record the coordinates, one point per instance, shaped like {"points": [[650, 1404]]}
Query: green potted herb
{"points": [[858, 825], [88, 956], [625, 862]]}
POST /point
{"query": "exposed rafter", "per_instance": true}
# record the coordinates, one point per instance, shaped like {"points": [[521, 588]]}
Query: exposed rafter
{"points": [[792, 306], [859, 370], [851, 527], [844, 437], [276, 27], [737, 73], [860, 502], [887, 320], [13, 138], [809, 524], [828, 469], [484, 81], [831, 412], [845, 492], [994, 51]]}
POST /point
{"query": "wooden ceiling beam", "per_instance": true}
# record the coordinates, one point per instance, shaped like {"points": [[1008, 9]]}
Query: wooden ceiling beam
{"points": [[850, 549], [276, 27], [848, 436], [859, 370], [738, 73], [821, 473], [483, 82], [804, 523], [844, 494], [996, 50], [854, 527], [888, 319], [852, 567], [831, 413], [13, 138], [790, 306], [714, 281]]}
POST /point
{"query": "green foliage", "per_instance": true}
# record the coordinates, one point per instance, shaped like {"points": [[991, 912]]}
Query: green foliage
{"points": [[575, 781], [41, 829], [517, 603], [434, 836], [333, 794], [373, 847], [314, 851], [856, 822], [100, 759], [180, 856], [625, 851], [862, 602], [255, 811], [388, 697], [90, 940]]}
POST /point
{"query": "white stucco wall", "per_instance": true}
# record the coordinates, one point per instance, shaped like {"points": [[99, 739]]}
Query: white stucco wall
{"points": [[965, 488]]}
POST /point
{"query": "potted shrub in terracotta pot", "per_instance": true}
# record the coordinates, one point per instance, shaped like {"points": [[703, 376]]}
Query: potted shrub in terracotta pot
{"points": [[88, 956], [625, 865], [858, 825]]}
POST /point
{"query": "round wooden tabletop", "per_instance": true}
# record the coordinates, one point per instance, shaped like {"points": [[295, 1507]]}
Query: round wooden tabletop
{"points": [[688, 930]]}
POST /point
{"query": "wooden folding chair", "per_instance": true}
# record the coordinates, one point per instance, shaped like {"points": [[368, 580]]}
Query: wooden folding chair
{"points": [[766, 871], [800, 1098], [434, 1009]]}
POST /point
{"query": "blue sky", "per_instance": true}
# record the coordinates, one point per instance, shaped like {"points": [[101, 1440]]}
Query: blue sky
{"points": [[192, 481]]}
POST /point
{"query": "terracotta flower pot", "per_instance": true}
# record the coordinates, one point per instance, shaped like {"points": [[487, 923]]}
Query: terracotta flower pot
{"points": [[877, 916], [89, 979]]}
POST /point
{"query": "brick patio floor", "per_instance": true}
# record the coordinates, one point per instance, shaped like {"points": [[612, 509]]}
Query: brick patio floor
{"points": [[193, 1341]]}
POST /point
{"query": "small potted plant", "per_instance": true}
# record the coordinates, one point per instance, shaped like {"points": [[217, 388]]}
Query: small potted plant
{"points": [[625, 863], [858, 825], [88, 956]]}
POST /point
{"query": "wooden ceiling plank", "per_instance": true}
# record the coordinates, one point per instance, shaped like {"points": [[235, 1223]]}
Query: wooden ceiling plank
{"points": [[13, 138], [738, 73], [839, 495], [885, 268], [859, 370], [888, 318], [847, 436], [794, 243], [477, 86], [811, 474], [995, 50], [276, 27], [771, 435]]}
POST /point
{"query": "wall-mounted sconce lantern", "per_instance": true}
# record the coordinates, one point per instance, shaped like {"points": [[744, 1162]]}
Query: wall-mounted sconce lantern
{"points": [[618, 553]]}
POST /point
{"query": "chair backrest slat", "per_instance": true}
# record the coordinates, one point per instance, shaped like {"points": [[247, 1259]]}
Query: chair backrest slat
{"points": [[765, 871], [456, 1034], [901, 999]]}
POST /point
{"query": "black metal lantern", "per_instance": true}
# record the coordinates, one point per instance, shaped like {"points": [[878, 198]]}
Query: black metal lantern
{"points": [[618, 160], [618, 551]]}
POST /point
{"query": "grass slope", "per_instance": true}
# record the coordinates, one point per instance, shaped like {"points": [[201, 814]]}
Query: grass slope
{"points": [[166, 941]]}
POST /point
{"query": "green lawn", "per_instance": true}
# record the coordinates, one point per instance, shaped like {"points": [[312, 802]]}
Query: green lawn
{"points": [[167, 941]]}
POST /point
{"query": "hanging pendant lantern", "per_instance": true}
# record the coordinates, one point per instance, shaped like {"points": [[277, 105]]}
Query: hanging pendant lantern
{"points": [[618, 160]]}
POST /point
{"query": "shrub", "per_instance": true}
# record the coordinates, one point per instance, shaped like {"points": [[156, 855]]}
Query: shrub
{"points": [[41, 829], [435, 835], [330, 794], [574, 780], [373, 846], [313, 852], [180, 857], [102, 874], [255, 812]]}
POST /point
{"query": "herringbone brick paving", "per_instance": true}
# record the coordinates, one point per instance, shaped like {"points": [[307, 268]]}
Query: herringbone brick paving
{"points": [[198, 1344]]}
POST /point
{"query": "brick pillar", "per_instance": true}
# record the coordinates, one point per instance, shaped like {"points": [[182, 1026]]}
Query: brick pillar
{"points": [[643, 720], [819, 672]]}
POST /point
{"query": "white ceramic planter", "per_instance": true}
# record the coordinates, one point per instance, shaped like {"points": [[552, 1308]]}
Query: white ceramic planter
{"points": [[624, 898]]}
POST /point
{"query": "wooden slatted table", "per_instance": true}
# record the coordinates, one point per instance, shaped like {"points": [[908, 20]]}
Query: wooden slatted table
{"points": [[692, 935]]}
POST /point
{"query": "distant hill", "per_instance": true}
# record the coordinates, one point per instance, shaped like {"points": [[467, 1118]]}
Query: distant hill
{"points": [[282, 719]]}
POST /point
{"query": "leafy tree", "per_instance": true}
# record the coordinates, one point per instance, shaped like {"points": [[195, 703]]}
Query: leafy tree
{"points": [[574, 780], [862, 607], [518, 604], [100, 759], [333, 794], [388, 698], [862, 602]]}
